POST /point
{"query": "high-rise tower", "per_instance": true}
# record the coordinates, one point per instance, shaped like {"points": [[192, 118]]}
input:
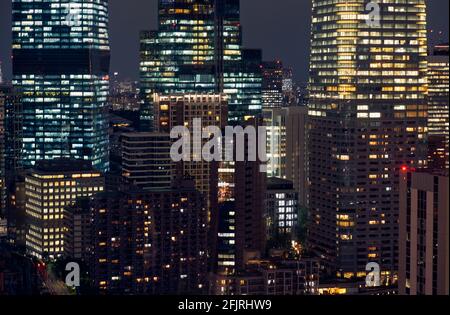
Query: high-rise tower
{"points": [[438, 103], [60, 68], [198, 49], [367, 114], [272, 84], [179, 56]]}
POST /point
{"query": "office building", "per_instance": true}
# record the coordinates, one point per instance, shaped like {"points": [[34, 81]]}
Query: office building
{"points": [[77, 231], [367, 119], [438, 110], [124, 95], [275, 122], [287, 146], [11, 109], [150, 242], [270, 277], [177, 110], [281, 211], [272, 84], [197, 48], [250, 236], [288, 81], [61, 70], [146, 161], [2, 163], [237, 229], [10, 147], [242, 82], [424, 232], [50, 187], [179, 56], [16, 214]]}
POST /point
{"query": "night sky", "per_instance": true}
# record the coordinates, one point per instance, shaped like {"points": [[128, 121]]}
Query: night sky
{"points": [[280, 27]]}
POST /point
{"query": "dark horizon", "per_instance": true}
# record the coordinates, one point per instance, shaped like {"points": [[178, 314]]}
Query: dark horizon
{"points": [[272, 28]]}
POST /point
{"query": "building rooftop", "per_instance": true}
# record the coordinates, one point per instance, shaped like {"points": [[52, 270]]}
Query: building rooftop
{"points": [[145, 134], [274, 183], [441, 50], [63, 165], [433, 171]]}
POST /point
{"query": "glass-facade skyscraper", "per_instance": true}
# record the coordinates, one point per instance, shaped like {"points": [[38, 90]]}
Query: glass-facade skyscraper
{"points": [[60, 68], [198, 49], [178, 58], [368, 122], [438, 102]]}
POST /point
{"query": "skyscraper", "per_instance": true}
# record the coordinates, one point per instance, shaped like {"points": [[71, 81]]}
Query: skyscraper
{"points": [[288, 83], [10, 132], [60, 68], [179, 56], [12, 109], [198, 49], [438, 102], [238, 72], [272, 84], [424, 233], [368, 119], [150, 242], [146, 160], [237, 229], [2, 159], [281, 211], [50, 187], [176, 110], [287, 146], [275, 122], [242, 82]]}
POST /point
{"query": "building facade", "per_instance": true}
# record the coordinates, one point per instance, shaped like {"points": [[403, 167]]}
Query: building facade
{"points": [[61, 70], [197, 48], [237, 228], [2, 161], [275, 122], [146, 160], [150, 242], [287, 148], [438, 102], [77, 231], [273, 84], [424, 233], [367, 119], [183, 110], [50, 187], [11, 110], [281, 211], [270, 277], [179, 56]]}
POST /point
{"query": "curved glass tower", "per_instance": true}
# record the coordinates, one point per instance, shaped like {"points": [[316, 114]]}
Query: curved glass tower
{"points": [[368, 122], [60, 67]]}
